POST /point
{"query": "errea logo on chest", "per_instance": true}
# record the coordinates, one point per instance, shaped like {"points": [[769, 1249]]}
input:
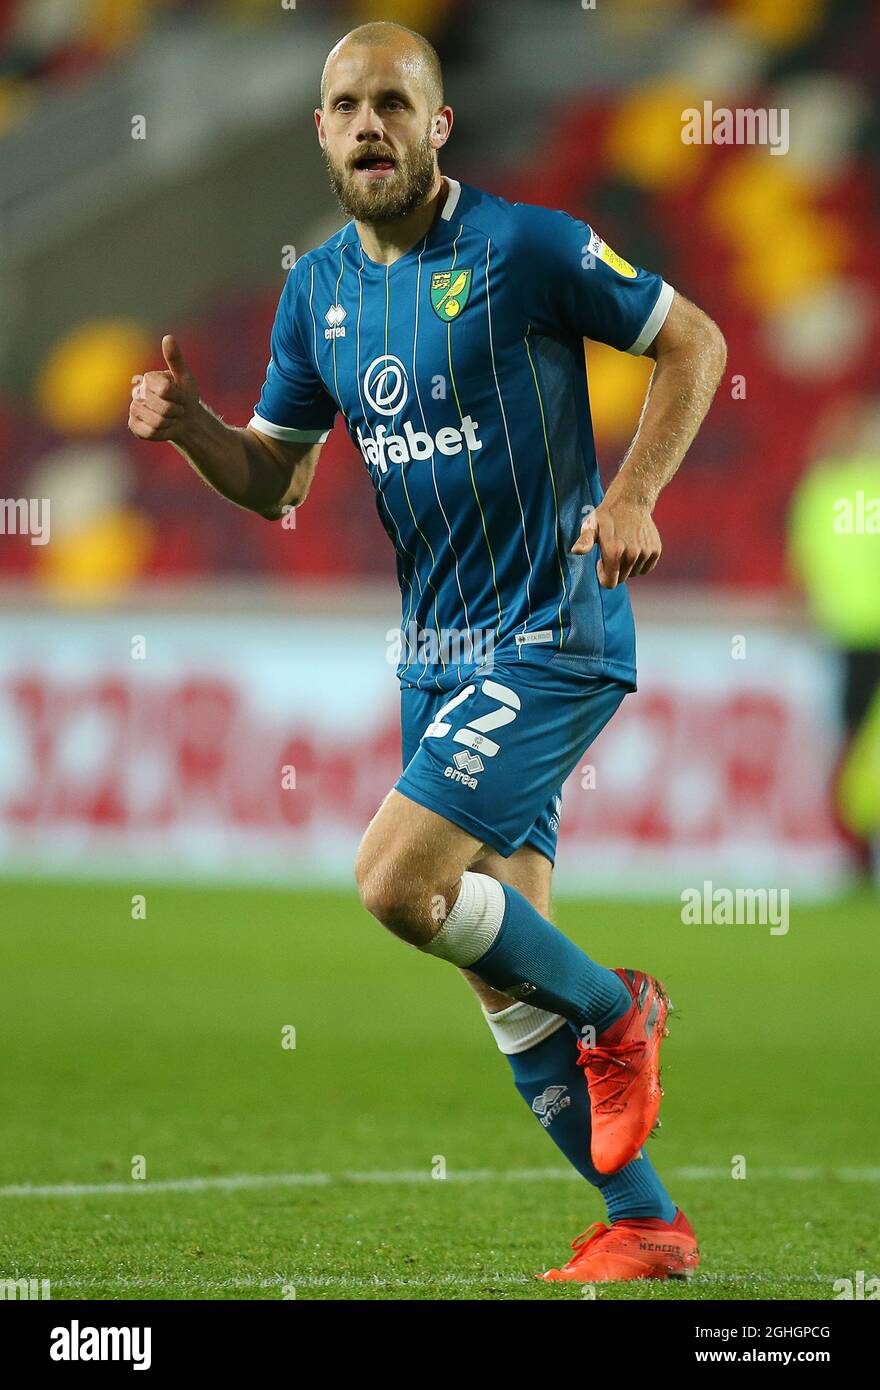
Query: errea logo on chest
{"points": [[334, 316]]}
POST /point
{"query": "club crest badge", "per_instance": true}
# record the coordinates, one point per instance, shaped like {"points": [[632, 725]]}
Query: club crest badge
{"points": [[450, 290]]}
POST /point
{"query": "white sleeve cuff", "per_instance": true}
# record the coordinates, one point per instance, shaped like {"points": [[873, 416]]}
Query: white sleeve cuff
{"points": [[654, 321], [284, 432]]}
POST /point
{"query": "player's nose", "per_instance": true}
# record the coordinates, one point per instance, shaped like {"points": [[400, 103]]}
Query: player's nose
{"points": [[368, 126]]}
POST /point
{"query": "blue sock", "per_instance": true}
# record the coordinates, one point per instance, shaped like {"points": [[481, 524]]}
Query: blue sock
{"points": [[555, 1089], [530, 959]]}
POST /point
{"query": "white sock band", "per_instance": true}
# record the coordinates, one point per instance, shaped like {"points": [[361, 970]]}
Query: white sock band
{"points": [[521, 1026], [473, 921]]}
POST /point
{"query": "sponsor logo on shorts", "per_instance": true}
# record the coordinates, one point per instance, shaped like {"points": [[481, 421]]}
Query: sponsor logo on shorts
{"points": [[544, 635], [466, 764], [470, 762]]}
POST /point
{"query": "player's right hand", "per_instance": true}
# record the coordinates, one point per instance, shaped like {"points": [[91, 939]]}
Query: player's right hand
{"points": [[163, 404]]}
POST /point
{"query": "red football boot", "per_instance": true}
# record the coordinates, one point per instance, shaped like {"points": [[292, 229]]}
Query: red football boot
{"points": [[622, 1072], [647, 1249]]}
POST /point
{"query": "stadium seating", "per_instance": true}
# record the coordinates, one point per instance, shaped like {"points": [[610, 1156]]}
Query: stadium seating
{"points": [[783, 254]]}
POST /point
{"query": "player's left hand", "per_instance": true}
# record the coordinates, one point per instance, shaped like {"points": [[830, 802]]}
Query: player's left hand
{"points": [[627, 537]]}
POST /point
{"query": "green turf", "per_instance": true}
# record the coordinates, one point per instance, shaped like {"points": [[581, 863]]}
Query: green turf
{"points": [[162, 1038]]}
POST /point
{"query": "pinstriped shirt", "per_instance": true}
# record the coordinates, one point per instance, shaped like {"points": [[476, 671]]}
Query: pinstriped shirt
{"points": [[459, 371]]}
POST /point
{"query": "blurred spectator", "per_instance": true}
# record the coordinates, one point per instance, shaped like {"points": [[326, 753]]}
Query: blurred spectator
{"points": [[834, 553]]}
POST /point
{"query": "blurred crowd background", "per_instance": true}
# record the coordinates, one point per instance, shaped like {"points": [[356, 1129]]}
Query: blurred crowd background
{"points": [[109, 240]]}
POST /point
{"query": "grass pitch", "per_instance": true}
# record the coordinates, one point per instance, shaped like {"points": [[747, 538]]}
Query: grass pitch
{"points": [[276, 1171]]}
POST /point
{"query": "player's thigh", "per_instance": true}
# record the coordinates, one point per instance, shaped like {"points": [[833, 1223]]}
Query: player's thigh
{"points": [[415, 839]]}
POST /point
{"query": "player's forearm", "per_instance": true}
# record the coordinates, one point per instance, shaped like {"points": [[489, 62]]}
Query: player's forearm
{"points": [[682, 386], [232, 461]]}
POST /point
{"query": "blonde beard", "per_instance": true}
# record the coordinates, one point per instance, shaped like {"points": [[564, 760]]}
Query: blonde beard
{"points": [[417, 172]]}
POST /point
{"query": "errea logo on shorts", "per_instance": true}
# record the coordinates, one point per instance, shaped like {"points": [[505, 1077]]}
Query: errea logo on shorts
{"points": [[386, 390], [466, 764]]}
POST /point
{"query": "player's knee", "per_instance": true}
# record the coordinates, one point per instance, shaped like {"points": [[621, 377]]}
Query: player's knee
{"points": [[373, 894], [379, 889], [393, 900]]}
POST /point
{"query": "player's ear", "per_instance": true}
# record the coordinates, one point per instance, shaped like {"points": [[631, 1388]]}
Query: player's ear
{"points": [[442, 125]]}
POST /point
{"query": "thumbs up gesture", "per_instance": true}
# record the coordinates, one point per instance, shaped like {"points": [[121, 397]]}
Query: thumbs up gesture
{"points": [[163, 404]]}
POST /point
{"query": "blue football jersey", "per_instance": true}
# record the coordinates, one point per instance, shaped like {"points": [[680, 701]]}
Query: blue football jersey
{"points": [[460, 372]]}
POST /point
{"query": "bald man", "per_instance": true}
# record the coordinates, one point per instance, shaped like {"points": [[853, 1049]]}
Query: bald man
{"points": [[446, 325]]}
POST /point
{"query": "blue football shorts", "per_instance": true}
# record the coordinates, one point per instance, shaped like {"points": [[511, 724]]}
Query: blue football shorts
{"points": [[491, 755]]}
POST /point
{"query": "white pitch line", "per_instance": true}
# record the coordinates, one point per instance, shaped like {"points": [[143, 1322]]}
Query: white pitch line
{"points": [[842, 1174], [348, 1281], [240, 1182]]}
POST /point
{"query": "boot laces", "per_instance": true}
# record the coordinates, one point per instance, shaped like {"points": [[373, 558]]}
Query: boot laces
{"points": [[606, 1069], [595, 1235], [590, 1234]]}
